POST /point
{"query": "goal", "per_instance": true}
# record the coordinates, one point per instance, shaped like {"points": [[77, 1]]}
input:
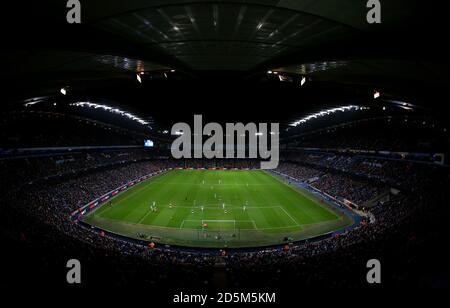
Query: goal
{"points": [[219, 225], [219, 230]]}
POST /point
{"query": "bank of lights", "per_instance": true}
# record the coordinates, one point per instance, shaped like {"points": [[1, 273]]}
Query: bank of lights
{"points": [[112, 110], [328, 112]]}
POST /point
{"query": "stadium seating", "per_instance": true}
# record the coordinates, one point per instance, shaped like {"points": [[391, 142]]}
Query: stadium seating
{"points": [[48, 188], [52, 129], [401, 133]]}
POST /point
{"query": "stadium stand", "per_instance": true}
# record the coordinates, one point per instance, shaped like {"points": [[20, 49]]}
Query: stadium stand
{"points": [[388, 133], [52, 129], [41, 190], [95, 92], [52, 204]]}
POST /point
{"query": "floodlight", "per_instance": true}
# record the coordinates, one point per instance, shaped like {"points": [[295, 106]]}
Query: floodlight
{"points": [[303, 81]]}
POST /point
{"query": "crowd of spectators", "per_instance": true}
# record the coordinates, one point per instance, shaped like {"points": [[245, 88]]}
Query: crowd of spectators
{"points": [[357, 191], [386, 133], [28, 169], [52, 129], [51, 204], [341, 186], [404, 174], [301, 173]]}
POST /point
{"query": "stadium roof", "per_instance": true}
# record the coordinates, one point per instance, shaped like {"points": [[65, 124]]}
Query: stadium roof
{"points": [[329, 41]]}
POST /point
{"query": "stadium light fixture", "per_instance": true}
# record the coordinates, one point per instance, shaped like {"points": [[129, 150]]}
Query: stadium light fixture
{"points": [[401, 104], [112, 110], [303, 81], [34, 100], [30, 104], [327, 112]]}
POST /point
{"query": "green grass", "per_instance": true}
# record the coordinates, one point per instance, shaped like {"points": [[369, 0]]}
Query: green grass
{"points": [[273, 210]]}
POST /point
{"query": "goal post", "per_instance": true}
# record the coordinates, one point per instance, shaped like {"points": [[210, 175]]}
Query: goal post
{"points": [[219, 230], [218, 224]]}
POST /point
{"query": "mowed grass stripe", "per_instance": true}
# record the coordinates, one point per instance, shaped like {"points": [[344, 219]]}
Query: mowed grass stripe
{"points": [[271, 203], [232, 190]]}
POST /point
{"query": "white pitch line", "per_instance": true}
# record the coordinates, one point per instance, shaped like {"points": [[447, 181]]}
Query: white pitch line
{"points": [[142, 219], [274, 228], [254, 225], [220, 220], [138, 189], [210, 184], [290, 216], [214, 206]]}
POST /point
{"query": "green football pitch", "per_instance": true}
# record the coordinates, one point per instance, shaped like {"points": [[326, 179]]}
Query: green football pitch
{"points": [[217, 208]]}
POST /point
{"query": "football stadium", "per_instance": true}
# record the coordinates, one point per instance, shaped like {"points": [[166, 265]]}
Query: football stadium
{"points": [[205, 147], [211, 208]]}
